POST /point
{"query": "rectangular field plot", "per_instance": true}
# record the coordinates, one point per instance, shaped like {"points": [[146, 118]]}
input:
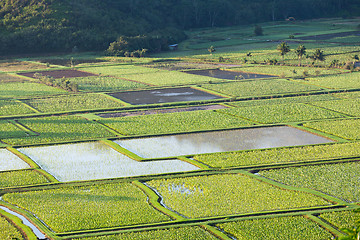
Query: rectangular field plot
{"points": [[347, 128], [348, 106], [225, 194], [102, 83], [230, 75], [342, 81], [168, 78], [161, 234], [10, 107], [339, 180], [280, 155], [12, 66], [282, 113], [280, 228], [9, 161], [21, 178], [163, 96], [260, 88], [284, 100], [174, 122], [8, 231], [67, 73], [94, 160], [343, 219], [59, 129], [219, 141], [159, 111], [9, 130], [287, 71], [72, 102], [88, 207], [22, 89], [120, 70]]}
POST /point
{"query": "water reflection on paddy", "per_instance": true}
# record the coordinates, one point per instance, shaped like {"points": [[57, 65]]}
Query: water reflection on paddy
{"points": [[94, 160], [220, 141], [9, 161]]}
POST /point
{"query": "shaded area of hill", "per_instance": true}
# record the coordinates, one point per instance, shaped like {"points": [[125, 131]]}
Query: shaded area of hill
{"points": [[59, 25]]}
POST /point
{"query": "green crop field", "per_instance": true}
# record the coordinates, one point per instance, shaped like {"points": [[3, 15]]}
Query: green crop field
{"points": [[282, 113], [16, 89], [21, 178], [78, 208], [260, 88], [280, 155], [340, 81], [282, 228], [228, 194], [58, 129], [72, 102], [340, 180], [347, 128], [285, 100], [343, 219], [8, 231], [9, 107], [103, 83], [174, 123], [348, 106], [163, 234], [9, 130], [83, 164]]}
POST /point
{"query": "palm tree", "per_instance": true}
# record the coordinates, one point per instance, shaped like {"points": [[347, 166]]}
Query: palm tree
{"points": [[300, 52], [283, 48], [318, 55]]}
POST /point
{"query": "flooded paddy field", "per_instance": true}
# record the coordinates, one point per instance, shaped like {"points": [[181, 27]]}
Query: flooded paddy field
{"points": [[159, 111], [94, 160], [9, 161], [68, 73], [220, 141], [164, 96], [230, 75]]}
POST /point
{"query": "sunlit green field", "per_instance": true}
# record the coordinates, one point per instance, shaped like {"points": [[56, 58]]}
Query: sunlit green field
{"points": [[308, 191]]}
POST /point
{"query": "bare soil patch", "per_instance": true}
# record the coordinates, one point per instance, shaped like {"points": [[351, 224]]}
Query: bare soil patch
{"points": [[159, 111], [12, 66], [68, 73]]}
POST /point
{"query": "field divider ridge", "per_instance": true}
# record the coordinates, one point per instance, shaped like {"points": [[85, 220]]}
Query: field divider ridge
{"points": [[122, 150], [328, 198], [25, 231], [325, 225]]}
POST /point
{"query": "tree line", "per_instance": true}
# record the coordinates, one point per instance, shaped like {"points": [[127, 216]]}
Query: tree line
{"points": [[60, 25]]}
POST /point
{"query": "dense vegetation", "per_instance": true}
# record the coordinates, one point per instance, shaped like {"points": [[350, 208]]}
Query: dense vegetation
{"points": [[58, 25]]}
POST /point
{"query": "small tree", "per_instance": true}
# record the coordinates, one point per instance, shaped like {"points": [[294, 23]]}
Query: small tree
{"points": [[318, 55], [300, 52], [258, 31], [211, 49], [283, 48]]}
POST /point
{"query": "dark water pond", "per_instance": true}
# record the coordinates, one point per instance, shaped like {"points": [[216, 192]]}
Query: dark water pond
{"points": [[163, 96], [220, 141], [230, 75]]}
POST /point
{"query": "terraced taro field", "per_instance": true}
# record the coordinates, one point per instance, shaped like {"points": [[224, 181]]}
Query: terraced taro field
{"points": [[184, 144]]}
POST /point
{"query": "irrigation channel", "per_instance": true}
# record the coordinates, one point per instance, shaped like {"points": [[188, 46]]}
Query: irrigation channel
{"points": [[26, 222]]}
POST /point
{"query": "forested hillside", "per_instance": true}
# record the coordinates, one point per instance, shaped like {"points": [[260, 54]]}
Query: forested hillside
{"points": [[60, 25]]}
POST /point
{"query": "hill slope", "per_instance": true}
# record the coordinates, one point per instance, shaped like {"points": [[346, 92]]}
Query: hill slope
{"points": [[59, 25]]}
